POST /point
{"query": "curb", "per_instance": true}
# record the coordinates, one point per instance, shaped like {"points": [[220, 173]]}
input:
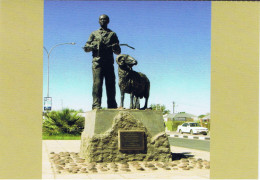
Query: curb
{"points": [[189, 137]]}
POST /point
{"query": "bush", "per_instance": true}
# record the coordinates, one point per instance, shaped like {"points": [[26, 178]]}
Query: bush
{"points": [[63, 122], [206, 124], [172, 125]]}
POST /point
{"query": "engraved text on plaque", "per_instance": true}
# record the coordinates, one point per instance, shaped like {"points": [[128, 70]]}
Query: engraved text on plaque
{"points": [[131, 140]]}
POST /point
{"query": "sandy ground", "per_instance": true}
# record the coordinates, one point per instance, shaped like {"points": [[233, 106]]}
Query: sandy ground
{"points": [[57, 146]]}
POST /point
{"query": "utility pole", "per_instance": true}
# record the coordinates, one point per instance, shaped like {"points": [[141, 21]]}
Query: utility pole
{"points": [[61, 104], [48, 99], [173, 107]]}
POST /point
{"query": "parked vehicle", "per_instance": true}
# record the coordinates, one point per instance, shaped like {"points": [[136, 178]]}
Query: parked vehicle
{"points": [[192, 128]]}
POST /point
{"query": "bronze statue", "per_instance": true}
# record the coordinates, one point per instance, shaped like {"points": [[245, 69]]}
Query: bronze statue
{"points": [[134, 83], [103, 43]]}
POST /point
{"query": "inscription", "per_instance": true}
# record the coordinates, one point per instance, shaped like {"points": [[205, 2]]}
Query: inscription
{"points": [[131, 140]]}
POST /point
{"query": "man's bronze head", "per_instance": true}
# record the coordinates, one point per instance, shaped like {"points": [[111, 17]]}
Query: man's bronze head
{"points": [[103, 20]]}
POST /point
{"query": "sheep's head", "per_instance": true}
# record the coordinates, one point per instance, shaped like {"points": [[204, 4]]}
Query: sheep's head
{"points": [[126, 61]]}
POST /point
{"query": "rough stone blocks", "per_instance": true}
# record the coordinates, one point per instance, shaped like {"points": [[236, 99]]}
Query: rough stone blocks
{"points": [[100, 141]]}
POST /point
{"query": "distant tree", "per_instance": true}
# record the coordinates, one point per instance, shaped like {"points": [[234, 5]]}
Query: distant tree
{"points": [[65, 121], [201, 116], [80, 111], [160, 107]]}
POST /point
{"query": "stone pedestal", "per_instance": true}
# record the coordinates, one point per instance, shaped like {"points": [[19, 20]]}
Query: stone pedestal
{"points": [[124, 135]]}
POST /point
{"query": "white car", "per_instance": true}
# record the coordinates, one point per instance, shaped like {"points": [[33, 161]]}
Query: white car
{"points": [[192, 128]]}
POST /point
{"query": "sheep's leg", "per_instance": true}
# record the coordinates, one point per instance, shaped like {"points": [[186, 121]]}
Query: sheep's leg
{"points": [[131, 100], [146, 102], [137, 103], [134, 98], [134, 105], [122, 99]]}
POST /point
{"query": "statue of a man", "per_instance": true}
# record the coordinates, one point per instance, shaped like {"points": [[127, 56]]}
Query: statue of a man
{"points": [[103, 43]]}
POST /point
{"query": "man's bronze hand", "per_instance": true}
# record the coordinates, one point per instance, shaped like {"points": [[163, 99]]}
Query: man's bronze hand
{"points": [[115, 46], [90, 47], [94, 47]]}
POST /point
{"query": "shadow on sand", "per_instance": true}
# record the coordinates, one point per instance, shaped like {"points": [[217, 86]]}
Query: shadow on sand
{"points": [[178, 156]]}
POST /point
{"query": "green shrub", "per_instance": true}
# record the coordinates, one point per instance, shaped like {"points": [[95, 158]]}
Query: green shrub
{"points": [[169, 125], [172, 125], [206, 124], [65, 121]]}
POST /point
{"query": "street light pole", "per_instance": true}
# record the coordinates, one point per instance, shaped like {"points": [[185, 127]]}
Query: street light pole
{"points": [[173, 107], [48, 53]]}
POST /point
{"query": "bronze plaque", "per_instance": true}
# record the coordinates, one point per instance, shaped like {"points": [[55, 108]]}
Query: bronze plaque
{"points": [[131, 140]]}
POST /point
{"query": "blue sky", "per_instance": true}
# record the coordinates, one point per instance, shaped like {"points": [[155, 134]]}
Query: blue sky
{"points": [[172, 46]]}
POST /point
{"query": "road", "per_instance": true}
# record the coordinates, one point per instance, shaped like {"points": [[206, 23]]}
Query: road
{"points": [[203, 145]]}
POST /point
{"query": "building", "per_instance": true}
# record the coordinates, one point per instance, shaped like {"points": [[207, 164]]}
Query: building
{"points": [[206, 118], [168, 117], [181, 116]]}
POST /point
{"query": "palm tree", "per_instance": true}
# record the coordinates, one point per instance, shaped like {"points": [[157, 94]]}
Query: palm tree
{"points": [[65, 121]]}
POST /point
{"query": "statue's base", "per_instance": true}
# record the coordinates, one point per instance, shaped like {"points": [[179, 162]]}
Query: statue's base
{"points": [[124, 135]]}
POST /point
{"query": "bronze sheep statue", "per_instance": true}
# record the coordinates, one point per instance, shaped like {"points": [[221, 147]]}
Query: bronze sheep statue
{"points": [[134, 83]]}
